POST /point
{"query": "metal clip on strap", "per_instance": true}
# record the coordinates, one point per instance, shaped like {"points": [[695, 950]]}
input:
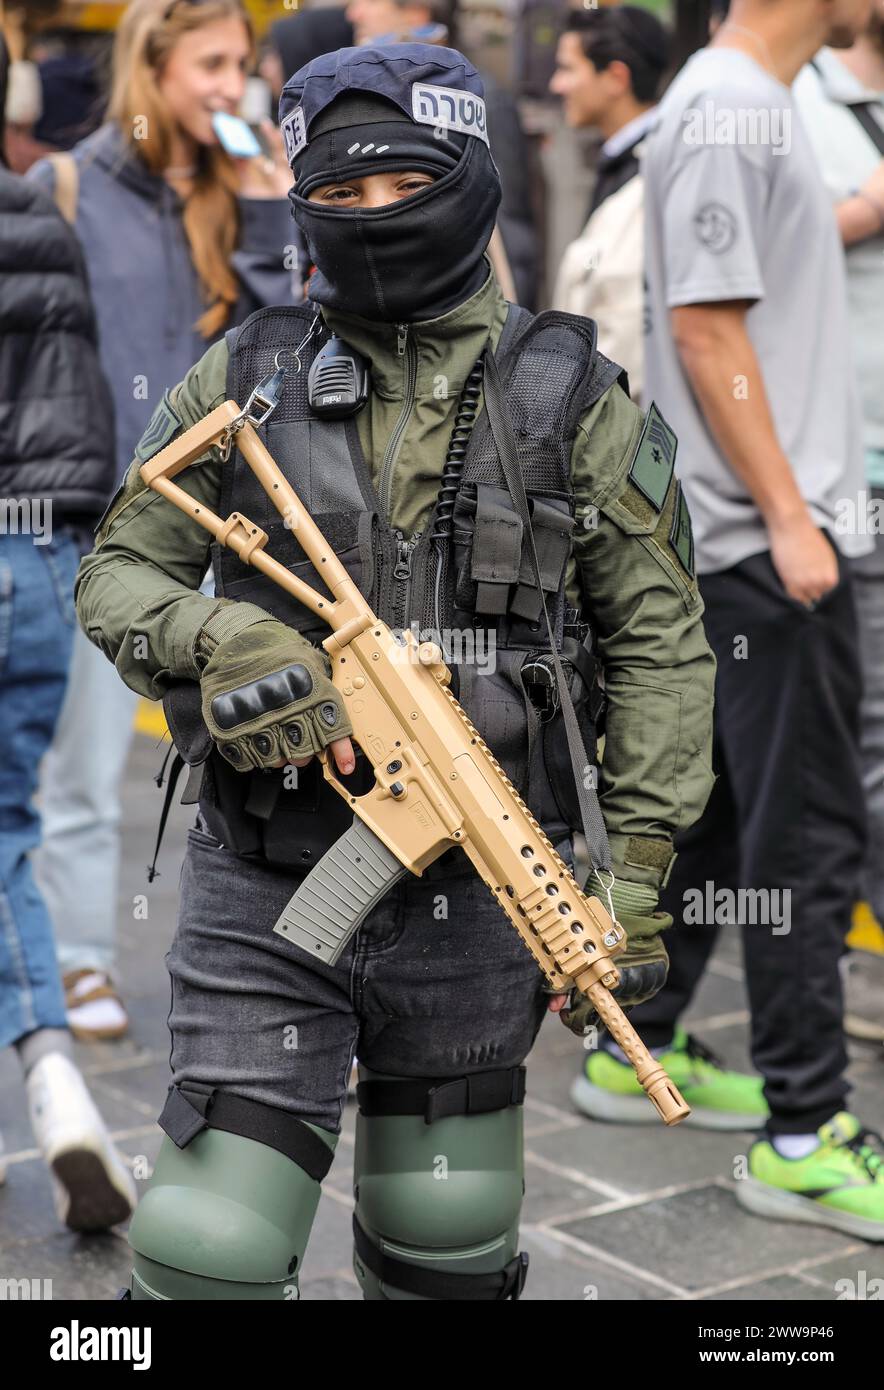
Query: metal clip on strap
{"points": [[266, 397]]}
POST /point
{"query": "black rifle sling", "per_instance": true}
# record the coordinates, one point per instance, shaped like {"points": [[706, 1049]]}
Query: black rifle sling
{"points": [[502, 431]]}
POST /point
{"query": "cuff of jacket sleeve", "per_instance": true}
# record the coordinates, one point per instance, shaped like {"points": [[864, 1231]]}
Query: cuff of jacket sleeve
{"points": [[228, 618], [635, 899], [642, 859]]}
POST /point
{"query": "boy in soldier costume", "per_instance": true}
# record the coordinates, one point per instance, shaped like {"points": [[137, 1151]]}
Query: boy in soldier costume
{"points": [[396, 194]]}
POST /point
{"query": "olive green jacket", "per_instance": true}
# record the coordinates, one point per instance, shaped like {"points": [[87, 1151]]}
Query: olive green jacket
{"points": [[136, 592]]}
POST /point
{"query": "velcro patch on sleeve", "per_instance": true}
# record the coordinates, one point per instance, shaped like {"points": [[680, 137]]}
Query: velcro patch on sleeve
{"points": [[651, 469], [164, 425], [681, 536], [648, 853]]}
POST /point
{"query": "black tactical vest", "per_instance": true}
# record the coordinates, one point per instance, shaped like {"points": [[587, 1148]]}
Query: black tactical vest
{"points": [[488, 603]]}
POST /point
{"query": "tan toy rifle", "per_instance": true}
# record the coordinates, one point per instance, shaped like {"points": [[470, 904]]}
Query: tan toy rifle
{"points": [[437, 783]]}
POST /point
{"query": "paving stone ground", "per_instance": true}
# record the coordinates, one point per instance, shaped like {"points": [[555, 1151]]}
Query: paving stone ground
{"points": [[611, 1211]]}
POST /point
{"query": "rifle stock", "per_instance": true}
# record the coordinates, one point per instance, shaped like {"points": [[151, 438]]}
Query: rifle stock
{"points": [[437, 783]]}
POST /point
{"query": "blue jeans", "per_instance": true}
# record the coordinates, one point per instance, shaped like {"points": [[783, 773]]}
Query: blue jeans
{"points": [[36, 634], [77, 866]]}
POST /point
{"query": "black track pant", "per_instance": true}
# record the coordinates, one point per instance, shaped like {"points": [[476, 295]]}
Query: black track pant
{"points": [[785, 817]]}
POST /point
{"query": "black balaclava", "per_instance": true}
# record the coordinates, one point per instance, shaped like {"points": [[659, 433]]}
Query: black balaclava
{"points": [[409, 260]]}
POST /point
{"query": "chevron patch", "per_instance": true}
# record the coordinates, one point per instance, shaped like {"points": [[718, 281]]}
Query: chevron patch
{"points": [[164, 425], [651, 469]]}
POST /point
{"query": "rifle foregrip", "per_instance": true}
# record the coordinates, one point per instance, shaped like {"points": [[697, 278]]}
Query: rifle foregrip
{"points": [[669, 1103], [339, 892]]}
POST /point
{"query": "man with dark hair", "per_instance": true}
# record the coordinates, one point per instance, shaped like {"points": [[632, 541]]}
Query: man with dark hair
{"points": [[610, 64]]}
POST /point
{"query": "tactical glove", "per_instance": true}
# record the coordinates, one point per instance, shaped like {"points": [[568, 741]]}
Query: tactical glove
{"points": [[268, 698], [643, 965]]}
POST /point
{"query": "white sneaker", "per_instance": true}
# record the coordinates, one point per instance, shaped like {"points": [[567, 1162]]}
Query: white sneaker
{"points": [[95, 1010], [93, 1188]]}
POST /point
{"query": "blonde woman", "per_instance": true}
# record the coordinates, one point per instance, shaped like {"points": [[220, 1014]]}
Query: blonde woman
{"points": [[181, 242]]}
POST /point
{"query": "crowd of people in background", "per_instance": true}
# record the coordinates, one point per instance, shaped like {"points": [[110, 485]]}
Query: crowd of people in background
{"points": [[735, 278]]}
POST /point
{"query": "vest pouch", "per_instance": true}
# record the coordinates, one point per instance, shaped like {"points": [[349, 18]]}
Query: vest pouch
{"points": [[487, 539], [551, 524], [222, 801], [307, 819], [493, 570], [462, 521]]}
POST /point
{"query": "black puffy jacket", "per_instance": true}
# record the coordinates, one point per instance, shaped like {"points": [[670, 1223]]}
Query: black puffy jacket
{"points": [[56, 413]]}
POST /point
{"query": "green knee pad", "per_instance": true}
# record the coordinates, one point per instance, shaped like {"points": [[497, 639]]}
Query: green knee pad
{"points": [[442, 1197], [224, 1217]]}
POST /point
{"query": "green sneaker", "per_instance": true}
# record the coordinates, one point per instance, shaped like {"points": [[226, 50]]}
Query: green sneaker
{"points": [[607, 1089], [840, 1184]]}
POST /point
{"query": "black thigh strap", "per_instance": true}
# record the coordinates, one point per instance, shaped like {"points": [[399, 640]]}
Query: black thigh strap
{"points": [[435, 1283], [191, 1108], [438, 1097]]}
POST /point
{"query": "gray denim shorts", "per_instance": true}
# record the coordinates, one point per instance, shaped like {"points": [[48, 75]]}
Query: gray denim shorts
{"points": [[435, 983]]}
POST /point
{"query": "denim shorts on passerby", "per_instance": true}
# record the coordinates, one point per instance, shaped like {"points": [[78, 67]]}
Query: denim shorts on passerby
{"points": [[436, 983]]}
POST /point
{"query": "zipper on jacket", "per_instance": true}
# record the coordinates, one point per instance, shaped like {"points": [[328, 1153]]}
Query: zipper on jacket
{"points": [[404, 348], [402, 575]]}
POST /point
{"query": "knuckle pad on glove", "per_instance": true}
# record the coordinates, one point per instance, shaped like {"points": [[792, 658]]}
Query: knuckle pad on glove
{"points": [[262, 696], [640, 982], [268, 698]]}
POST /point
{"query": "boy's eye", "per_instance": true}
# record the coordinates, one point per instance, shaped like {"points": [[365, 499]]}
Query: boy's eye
{"points": [[345, 194]]}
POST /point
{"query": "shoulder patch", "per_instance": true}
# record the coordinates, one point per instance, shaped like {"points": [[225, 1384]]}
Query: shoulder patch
{"points": [[651, 468], [164, 425], [681, 537]]}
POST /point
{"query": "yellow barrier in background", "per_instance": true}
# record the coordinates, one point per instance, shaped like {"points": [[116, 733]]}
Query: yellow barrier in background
{"points": [[866, 934], [150, 720], [106, 14]]}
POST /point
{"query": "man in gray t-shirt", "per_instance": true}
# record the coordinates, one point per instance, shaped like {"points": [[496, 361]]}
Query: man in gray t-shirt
{"points": [[736, 212], [747, 358]]}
